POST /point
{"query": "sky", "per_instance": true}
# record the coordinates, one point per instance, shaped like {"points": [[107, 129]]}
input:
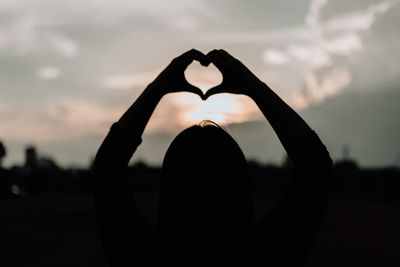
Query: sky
{"points": [[69, 69]]}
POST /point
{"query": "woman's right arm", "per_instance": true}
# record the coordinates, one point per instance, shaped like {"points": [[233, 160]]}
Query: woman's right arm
{"points": [[125, 235], [291, 227]]}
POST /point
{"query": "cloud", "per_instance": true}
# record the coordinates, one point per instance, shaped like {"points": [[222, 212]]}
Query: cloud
{"points": [[19, 35], [344, 44], [275, 57], [65, 119], [320, 47], [203, 77], [185, 23], [360, 20], [328, 84], [64, 46], [311, 55], [48, 73], [29, 33], [313, 15], [128, 81]]}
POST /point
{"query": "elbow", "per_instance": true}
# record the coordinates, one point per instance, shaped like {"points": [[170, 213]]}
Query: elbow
{"points": [[326, 162], [99, 161]]}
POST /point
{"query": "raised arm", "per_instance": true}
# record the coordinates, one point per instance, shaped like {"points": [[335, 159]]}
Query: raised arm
{"points": [[238, 79], [126, 236], [171, 80], [285, 237]]}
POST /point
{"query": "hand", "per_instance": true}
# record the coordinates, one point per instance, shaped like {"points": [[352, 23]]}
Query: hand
{"points": [[172, 78], [237, 78]]}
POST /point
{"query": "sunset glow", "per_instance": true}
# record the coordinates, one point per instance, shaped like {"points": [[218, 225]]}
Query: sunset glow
{"points": [[221, 108]]}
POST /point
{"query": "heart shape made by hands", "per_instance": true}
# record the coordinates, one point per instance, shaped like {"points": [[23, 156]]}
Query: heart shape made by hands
{"points": [[203, 77]]}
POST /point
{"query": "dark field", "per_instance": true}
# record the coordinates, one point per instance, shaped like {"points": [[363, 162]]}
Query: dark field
{"points": [[54, 227]]}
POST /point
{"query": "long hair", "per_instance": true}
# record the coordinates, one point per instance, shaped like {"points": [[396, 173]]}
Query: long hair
{"points": [[205, 188]]}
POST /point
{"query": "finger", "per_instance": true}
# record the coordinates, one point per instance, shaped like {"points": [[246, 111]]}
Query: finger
{"points": [[219, 89], [186, 58], [193, 89], [218, 57], [224, 54]]}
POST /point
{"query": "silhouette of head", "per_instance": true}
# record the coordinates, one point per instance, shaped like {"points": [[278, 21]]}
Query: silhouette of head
{"points": [[204, 187]]}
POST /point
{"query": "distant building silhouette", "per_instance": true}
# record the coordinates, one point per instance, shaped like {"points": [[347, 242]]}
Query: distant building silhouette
{"points": [[31, 158], [2, 153], [4, 174], [47, 163], [346, 152], [346, 164]]}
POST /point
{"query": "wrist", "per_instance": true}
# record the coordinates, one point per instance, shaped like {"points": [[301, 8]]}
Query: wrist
{"points": [[257, 89], [155, 91]]}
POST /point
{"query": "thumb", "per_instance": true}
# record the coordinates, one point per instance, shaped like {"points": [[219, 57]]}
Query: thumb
{"points": [[219, 89], [193, 89]]}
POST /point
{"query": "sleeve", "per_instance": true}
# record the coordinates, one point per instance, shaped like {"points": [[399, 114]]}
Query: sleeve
{"points": [[125, 235], [289, 231]]}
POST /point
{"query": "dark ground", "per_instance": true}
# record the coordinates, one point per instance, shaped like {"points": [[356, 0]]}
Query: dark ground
{"points": [[53, 227]]}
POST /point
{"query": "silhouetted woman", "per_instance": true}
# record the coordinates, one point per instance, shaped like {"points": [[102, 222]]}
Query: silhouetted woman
{"points": [[205, 211]]}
